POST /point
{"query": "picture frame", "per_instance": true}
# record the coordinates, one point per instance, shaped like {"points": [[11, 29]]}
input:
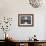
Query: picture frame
{"points": [[25, 20]]}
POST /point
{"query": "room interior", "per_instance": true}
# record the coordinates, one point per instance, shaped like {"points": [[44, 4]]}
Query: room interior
{"points": [[22, 23]]}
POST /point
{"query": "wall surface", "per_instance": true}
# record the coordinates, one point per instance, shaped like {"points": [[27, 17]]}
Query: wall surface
{"points": [[11, 8]]}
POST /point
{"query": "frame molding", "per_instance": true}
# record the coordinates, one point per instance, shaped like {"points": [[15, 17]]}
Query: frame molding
{"points": [[27, 24]]}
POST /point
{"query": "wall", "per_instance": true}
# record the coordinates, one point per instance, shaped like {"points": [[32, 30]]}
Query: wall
{"points": [[11, 8]]}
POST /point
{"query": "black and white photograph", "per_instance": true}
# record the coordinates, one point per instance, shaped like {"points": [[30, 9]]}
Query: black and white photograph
{"points": [[25, 19]]}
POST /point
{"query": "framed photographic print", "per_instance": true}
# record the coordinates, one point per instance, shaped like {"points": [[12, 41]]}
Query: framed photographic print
{"points": [[25, 19]]}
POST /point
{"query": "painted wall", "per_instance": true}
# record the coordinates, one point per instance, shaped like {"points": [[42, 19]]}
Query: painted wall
{"points": [[11, 8]]}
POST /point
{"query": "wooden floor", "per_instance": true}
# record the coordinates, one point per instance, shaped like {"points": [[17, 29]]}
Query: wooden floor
{"points": [[19, 43], [4, 43]]}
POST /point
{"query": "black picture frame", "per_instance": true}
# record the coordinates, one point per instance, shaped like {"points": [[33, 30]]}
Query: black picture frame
{"points": [[26, 20]]}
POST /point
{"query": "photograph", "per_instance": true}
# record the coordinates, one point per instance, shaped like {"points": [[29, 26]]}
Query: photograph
{"points": [[25, 19]]}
